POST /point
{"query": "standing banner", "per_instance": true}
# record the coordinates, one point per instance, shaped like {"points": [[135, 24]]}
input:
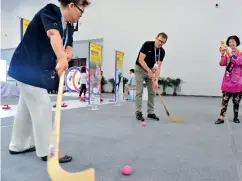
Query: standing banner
{"points": [[24, 23], [118, 88], [95, 63]]}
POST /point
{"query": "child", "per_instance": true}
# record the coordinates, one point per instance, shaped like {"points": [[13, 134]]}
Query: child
{"points": [[231, 85], [130, 84], [83, 81]]}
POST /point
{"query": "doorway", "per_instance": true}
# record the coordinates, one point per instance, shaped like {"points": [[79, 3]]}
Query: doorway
{"points": [[78, 62]]}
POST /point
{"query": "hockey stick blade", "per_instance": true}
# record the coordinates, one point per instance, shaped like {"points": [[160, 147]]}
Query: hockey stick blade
{"points": [[55, 171], [178, 120]]}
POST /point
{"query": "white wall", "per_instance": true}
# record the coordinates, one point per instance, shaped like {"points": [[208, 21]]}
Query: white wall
{"points": [[195, 29], [10, 24], [3, 70], [81, 48]]}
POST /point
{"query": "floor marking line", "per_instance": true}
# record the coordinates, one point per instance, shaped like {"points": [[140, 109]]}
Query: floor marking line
{"points": [[235, 151]]}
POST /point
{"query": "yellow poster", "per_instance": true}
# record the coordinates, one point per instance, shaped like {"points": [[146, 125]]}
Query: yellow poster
{"points": [[118, 89], [120, 59], [24, 26], [95, 55], [95, 63]]}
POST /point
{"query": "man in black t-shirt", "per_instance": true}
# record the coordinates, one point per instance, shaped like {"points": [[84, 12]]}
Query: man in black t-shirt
{"points": [[148, 65]]}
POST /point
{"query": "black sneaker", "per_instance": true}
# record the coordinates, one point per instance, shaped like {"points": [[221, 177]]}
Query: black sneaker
{"points": [[153, 116], [219, 121], [32, 149], [236, 120], [139, 116], [64, 159]]}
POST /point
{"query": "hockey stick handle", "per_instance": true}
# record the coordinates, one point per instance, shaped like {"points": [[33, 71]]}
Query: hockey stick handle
{"points": [[167, 111], [162, 100], [55, 171], [60, 95], [55, 137]]}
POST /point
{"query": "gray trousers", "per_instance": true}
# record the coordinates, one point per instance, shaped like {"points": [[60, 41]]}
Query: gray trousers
{"points": [[141, 76], [33, 120]]}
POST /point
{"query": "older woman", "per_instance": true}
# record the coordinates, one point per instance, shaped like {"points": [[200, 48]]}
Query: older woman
{"points": [[41, 56], [231, 85]]}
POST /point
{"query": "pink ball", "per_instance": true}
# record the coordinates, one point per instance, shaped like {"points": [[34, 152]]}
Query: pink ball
{"points": [[143, 123], [127, 170]]}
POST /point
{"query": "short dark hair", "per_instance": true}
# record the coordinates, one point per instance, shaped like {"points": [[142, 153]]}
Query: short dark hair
{"points": [[235, 38], [131, 70], [83, 69], [77, 2], [164, 35]]}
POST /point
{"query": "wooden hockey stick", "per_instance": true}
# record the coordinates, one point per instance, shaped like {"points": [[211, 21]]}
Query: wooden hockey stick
{"points": [[55, 171], [178, 120]]}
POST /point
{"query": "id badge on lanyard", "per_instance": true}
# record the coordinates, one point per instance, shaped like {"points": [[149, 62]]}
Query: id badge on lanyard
{"points": [[63, 27], [230, 66], [157, 57]]}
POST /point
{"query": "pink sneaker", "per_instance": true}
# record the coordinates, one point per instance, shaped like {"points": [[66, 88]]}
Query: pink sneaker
{"points": [[82, 99]]}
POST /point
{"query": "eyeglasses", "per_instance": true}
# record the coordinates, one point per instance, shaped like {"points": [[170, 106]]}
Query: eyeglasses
{"points": [[163, 42], [79, 8], [75, 27]]}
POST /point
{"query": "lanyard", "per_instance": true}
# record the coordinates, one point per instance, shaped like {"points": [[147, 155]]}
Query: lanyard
{"points": [[157, 57], [230, 65], [63, 26]]}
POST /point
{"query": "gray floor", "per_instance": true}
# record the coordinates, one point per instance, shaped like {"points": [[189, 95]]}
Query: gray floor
{"points": [[110, 138], [14, 101]]}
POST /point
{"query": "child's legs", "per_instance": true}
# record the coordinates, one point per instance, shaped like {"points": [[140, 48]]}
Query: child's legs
{"points": [[80, 94], [224, 105], [126, 90], [81, 91], [84, 89]]}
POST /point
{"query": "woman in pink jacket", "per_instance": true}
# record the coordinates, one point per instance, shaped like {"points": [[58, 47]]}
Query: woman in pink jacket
{"points": [[231, 84]]}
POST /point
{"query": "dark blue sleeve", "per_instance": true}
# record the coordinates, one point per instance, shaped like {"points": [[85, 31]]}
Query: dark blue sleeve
{"points": [[70, 42], [50, 21]]}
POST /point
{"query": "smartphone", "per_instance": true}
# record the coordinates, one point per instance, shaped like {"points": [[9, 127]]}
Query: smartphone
{"points": [[223, 46]]}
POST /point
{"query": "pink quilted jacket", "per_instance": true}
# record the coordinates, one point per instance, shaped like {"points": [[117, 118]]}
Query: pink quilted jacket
{"points": [[232, 81]]}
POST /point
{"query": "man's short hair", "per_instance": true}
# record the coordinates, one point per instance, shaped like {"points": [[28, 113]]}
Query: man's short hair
{"points": [[164, 35], [131, 70]]}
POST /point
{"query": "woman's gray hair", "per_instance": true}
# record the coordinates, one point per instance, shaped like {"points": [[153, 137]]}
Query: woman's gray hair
{"points": [[84, 3]]}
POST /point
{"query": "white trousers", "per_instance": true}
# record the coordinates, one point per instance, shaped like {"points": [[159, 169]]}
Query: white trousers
{"points": [[33, 120]]}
